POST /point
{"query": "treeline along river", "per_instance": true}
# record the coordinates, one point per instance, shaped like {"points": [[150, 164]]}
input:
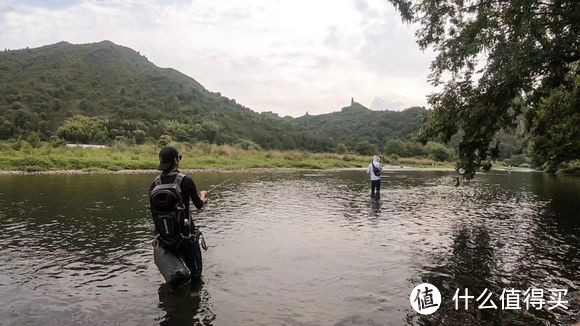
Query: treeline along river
{"points": [[290, 248]]}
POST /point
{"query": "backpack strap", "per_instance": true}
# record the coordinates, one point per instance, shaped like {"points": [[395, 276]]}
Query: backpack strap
{"points": [[376, 171], [178, 178], [158, 180], [189, 223]]}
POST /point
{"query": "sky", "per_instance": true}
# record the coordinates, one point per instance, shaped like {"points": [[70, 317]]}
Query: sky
{"points": [[284, 56]]}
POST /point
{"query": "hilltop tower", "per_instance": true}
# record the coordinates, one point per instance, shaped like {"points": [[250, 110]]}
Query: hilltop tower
{"points": [[351, 101]]}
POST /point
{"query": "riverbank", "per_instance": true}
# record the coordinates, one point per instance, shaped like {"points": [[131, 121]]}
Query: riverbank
{"points": [[221, 170], [387, 168], [47, 159], [251, 170]]}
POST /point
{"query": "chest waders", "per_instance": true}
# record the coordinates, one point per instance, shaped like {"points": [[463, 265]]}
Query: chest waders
{"points": [[176, 244]]}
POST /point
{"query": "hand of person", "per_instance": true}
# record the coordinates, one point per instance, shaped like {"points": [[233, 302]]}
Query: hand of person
{"points": [[204, 195]]}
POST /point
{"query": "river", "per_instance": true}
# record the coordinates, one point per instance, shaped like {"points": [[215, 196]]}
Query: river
{"points": [[291, 248]]}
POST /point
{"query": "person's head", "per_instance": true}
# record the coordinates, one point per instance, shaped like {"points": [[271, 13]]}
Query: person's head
{"points": [[376, 158], [169, 159]]}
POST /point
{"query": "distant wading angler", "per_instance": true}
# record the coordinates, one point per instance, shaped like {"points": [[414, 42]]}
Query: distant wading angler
{"points": [[176, 238], [374, 170]]}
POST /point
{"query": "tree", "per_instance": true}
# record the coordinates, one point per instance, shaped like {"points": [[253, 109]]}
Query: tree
{"points": [[25, 122], [177, 130], [438, 152], [139, 136], [366, 148], [83, 129], [518, 160], [494, 60], [555, 125], [341, 148], [173, 104], [396, 146], [6, 129], [210, 130], [33, 139], [415, 149]]}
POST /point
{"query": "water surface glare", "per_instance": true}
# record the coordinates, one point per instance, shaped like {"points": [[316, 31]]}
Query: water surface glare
{"points": [[289, 248]]}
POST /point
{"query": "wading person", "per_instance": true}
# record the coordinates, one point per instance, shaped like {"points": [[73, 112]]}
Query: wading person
{"points": [[374, 171], [176, 239]]}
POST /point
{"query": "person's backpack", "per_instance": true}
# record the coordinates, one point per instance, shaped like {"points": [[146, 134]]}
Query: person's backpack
{"points": [[376, 170], [168, 212]]}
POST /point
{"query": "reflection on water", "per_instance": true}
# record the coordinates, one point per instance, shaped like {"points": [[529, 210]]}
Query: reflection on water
{"points": [[290, 248], [184, 305]]}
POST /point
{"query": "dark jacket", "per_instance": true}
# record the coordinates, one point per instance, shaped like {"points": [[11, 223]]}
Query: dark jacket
{"points": [[188, 190]]}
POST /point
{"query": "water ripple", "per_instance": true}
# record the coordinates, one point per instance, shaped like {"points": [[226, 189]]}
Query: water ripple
{"points": [[288, 248]]}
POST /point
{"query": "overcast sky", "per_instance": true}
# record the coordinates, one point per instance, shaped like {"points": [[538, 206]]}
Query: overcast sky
{"points": [[285, 56]]}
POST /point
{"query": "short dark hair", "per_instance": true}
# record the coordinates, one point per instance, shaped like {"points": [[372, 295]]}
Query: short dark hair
{"points": [[167, 156]]}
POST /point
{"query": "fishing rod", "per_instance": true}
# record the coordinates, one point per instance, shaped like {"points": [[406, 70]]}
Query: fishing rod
{"points": [[220, 184], [198, 234]]}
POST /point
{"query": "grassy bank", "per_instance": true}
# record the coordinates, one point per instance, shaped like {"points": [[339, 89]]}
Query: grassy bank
{"points": [[572, 167], [44, 157]]}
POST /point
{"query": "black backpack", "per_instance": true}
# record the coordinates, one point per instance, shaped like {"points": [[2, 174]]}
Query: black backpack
{"points": [[376, 170], [172, 223]]}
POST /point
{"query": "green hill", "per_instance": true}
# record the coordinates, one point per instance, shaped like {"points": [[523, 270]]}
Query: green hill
{"points": [[102, 92], [40, 88], [355, 123]]}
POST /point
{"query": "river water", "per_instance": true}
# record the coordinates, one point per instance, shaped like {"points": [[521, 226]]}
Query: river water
{"points": [[291, 248]]}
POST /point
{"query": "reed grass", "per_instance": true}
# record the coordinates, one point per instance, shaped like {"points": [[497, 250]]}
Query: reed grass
{"points": [[22, 156]]}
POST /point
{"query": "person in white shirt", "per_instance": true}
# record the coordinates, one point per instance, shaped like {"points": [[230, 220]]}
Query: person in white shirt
{"points": [[374, 171]]}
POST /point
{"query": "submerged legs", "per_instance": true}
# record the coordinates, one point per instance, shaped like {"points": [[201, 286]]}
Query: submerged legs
{"points": [[191, 254], [376, 189]]}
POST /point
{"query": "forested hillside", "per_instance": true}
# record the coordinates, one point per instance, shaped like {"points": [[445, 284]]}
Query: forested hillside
{"points": [[355, 123], [102, 92], [109, 92]]}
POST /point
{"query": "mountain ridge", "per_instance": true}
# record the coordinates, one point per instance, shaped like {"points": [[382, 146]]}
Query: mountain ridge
{"points": [[41, 88]]}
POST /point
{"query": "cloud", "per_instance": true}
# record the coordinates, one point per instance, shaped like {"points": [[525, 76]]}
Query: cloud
{"points": [[366, 9], [281, 56], [50, 4], [381, 103]]}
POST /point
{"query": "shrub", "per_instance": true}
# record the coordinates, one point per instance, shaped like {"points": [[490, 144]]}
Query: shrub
{"points": [[164, 140], [248, 145], [83, 129], [25, 147], [56, 141], [139, 136], [33, 139], [17, 145], [397, 147], [519, 159], [415, 149], [341, 148], [438, 152], [366, 148]]}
